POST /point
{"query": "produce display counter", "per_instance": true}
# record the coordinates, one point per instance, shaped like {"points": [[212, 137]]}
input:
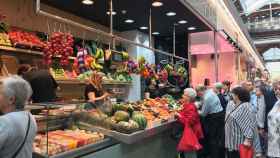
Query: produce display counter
{"points": [[79, 152], [134, 137], [159, 145]]}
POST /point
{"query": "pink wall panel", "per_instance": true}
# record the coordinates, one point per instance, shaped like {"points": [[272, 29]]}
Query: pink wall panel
{"points": [[206, 69], [227, 67]]}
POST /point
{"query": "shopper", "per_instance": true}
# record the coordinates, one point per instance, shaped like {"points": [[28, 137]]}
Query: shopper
{"points": [[17, 127], [95, 94], [260, 90], [250, 87], [274, 128], [240, 127], [207, 82], [23, 69], [218, 90], [226, 88], [43, 85], [270, 99], [189, 117], [213, 122]]}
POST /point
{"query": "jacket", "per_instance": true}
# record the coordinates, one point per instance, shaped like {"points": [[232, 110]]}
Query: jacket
{"points": [[190, 119]]}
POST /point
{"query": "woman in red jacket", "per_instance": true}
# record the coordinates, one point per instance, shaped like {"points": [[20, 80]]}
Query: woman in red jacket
{"points": [[189, 117]]}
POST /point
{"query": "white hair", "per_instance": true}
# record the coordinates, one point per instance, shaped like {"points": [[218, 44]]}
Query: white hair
{"points": [[17, 87], [218, 85], [191, 93]]}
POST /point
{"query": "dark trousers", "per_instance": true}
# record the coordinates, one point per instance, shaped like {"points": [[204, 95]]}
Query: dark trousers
{"points": [[213, 143], [233, 154]]}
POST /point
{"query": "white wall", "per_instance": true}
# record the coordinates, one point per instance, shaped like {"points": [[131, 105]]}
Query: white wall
{"points": [[135, 52]]}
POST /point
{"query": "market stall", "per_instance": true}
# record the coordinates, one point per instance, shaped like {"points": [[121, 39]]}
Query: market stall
{"points": [[131, 122]]}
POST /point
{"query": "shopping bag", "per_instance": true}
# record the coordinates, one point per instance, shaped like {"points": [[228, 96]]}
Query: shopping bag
{"points": [[245, 151], [189, 141]]}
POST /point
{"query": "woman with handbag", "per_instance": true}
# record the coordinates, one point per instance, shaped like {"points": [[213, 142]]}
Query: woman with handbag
{"points": [[189, 117], [17, 127], [274, 127], [240, 125]]}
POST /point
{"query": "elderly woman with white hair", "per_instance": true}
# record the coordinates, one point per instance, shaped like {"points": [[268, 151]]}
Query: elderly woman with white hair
{"points": [[189, 117], [17, 127]]}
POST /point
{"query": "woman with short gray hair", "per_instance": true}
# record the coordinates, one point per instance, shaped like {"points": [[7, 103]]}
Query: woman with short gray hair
{"points": [[17, 127], [189, 117]]}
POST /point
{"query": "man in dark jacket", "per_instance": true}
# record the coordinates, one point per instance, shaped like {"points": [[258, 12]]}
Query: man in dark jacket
{"points": [[218, 90], [270, 99]]}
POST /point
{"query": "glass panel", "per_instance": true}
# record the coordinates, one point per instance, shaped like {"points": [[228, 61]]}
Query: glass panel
{"points": [[272, 54], [251, 5]]}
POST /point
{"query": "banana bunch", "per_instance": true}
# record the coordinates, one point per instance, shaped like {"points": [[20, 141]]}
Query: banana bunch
{"points": [[99, 53], [125, 55], [95, 66], [4, 39], [58, 73]]}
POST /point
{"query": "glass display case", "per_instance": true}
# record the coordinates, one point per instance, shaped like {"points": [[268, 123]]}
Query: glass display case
{"points": [[60, 135]]}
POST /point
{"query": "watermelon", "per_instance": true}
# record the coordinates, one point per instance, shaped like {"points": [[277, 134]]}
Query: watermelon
{"points": [[140, 119], [122, 107], [121, 116]]}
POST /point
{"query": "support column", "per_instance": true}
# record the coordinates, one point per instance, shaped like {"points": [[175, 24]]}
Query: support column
{"points": [[216, 58]]}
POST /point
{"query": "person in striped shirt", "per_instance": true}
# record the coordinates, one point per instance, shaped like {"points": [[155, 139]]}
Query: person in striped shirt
{"points": [[240, 124]]}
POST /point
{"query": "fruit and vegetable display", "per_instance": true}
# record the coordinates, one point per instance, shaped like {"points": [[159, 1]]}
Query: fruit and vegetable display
{"points": [[122, 119], [3, 26], [61, 141], [59, 44], [133, 116], [58, 73], [20, 38], [4, 40]]}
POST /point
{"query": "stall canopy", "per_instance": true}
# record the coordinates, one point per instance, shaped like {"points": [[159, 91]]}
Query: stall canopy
{"points": [[204, 43]]}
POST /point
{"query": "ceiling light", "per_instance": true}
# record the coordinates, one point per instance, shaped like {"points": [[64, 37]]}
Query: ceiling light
{"points": [[157, 4], [87, 2], [129, 21], [191, 28], [155, 33], [182, 22], [170, 14], [143, 28], [124, 11], [113, 13]]}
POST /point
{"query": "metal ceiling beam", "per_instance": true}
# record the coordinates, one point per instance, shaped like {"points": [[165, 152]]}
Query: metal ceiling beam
{"points": [[92, 29], [267, 41], [274, 60]]}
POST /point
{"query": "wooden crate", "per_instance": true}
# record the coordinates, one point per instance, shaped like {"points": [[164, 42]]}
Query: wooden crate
{"points": [[9, 64]]}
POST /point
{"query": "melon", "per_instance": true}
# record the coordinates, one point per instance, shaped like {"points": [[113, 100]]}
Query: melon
{"points": [[121, 116], [127, 127], [110, 123], [140, 119]]}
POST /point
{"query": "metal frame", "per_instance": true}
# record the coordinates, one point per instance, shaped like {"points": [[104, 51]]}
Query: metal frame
{"points": [[92, 29]]}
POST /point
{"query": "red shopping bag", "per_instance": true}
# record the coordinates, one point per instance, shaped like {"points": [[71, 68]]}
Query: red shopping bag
{"points": [[189, 141], [245, 151]]}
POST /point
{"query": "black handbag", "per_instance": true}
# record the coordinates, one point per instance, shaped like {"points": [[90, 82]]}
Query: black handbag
{"points": [[24, 140]]}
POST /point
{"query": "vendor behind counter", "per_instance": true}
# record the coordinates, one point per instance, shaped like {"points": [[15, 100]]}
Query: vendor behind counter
{"points": [[42, 82]]}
